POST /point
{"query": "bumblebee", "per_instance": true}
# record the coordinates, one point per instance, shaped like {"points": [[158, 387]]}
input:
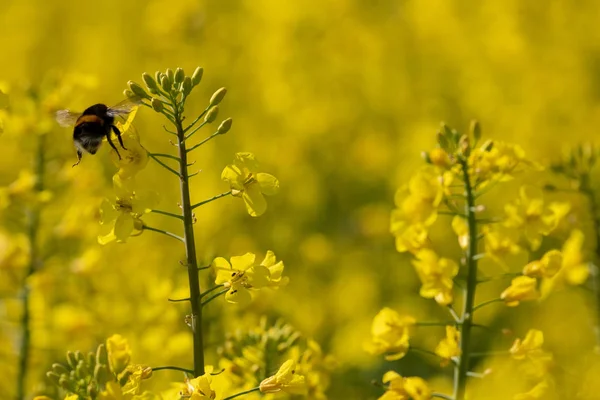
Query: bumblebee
{"points": [[95, 123]]}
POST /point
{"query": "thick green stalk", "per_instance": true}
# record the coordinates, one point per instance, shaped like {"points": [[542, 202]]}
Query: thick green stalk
{"points": [[190, 250], [466, 321], [33, 222], [586, 189]]}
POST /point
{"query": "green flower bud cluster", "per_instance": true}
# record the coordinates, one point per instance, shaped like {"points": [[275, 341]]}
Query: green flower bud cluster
{"points": [[577, 162], [166, 92], [83, 374]]}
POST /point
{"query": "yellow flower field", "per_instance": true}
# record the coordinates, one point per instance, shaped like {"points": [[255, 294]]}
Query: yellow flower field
{"points": [[322, 200]]}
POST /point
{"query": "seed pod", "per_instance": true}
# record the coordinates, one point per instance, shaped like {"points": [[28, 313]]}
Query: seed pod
{"points": [[217, 97], [211, 115], [197, 76], [224, 127]]}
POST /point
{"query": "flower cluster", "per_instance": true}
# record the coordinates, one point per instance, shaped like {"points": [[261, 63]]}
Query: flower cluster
{"points": [[459, 173]]}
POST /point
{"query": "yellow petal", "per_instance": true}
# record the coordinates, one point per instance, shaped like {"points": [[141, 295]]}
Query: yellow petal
{"points": [[269, 185], [242, 263], [123, 227], [238, 295], [254, 199]]}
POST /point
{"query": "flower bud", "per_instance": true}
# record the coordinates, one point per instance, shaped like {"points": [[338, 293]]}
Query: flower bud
{"points": [[91, 359], [101, 355], [197, 76], [171, 75], [157, 105], [65, 383], [165, 83], [211, 115], [475, 130], [71, 360], [150, 83], [218, 96], [137, 89], [128, 93], [179, 75], [81, 371], [157, 76], [59, 369], [186, 86], [224, 127], [53, 376], [101, 374]]}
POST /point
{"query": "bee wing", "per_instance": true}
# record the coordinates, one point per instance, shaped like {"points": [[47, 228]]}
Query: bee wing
{"points": [[66, 118], [124, 107]]}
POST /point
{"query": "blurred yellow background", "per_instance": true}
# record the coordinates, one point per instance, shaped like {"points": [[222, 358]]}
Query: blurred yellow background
{"points": [[335, 98]]}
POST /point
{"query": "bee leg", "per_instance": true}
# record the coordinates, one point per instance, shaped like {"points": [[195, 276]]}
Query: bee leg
{"points": [[118, 133], [79, 155], [108, 139]]}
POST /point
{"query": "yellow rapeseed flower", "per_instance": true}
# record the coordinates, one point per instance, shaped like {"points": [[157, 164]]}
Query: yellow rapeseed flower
{"points": [[400, 388], [436, 275], [199, 388], [390, 334], [285, 380], [119, 353], [546, 267], [249, 184], [532, 216], [537, 392], [449, 347], [522, 288]]}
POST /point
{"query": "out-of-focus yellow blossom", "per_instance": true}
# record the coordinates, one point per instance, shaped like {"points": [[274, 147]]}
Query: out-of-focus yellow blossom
{"points": [[436, 275], [119, 353], [461, 228], [243, 274], [316, 368], [136, 373], [409, 237], [72, 397], [123, 215], [113, 391], [498, 163], [135, 158], [400, 388], [530, 215], [285, 380], [439, 157], [23, 191], [448, 348], [537, 392], [501, 244], [14, 251], [249, 184], [522, 288], [420, 199], [43, 398], [573, 269], [390, 333], [199, 388], [546, 267], [535, 361]]}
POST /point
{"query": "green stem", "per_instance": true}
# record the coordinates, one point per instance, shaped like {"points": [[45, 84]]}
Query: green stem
{"points": [[202, 142], [256, 389], [435, 323], [189, 135], [165, 156], [212, 289], [462, 368], [211, 199], [586, 189], [442, 396], [33, 223], [214, 296], [187, 128], [485, 303], [162, 164], [168, 214], [169, 234], [170, 367], [190, 248]]}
